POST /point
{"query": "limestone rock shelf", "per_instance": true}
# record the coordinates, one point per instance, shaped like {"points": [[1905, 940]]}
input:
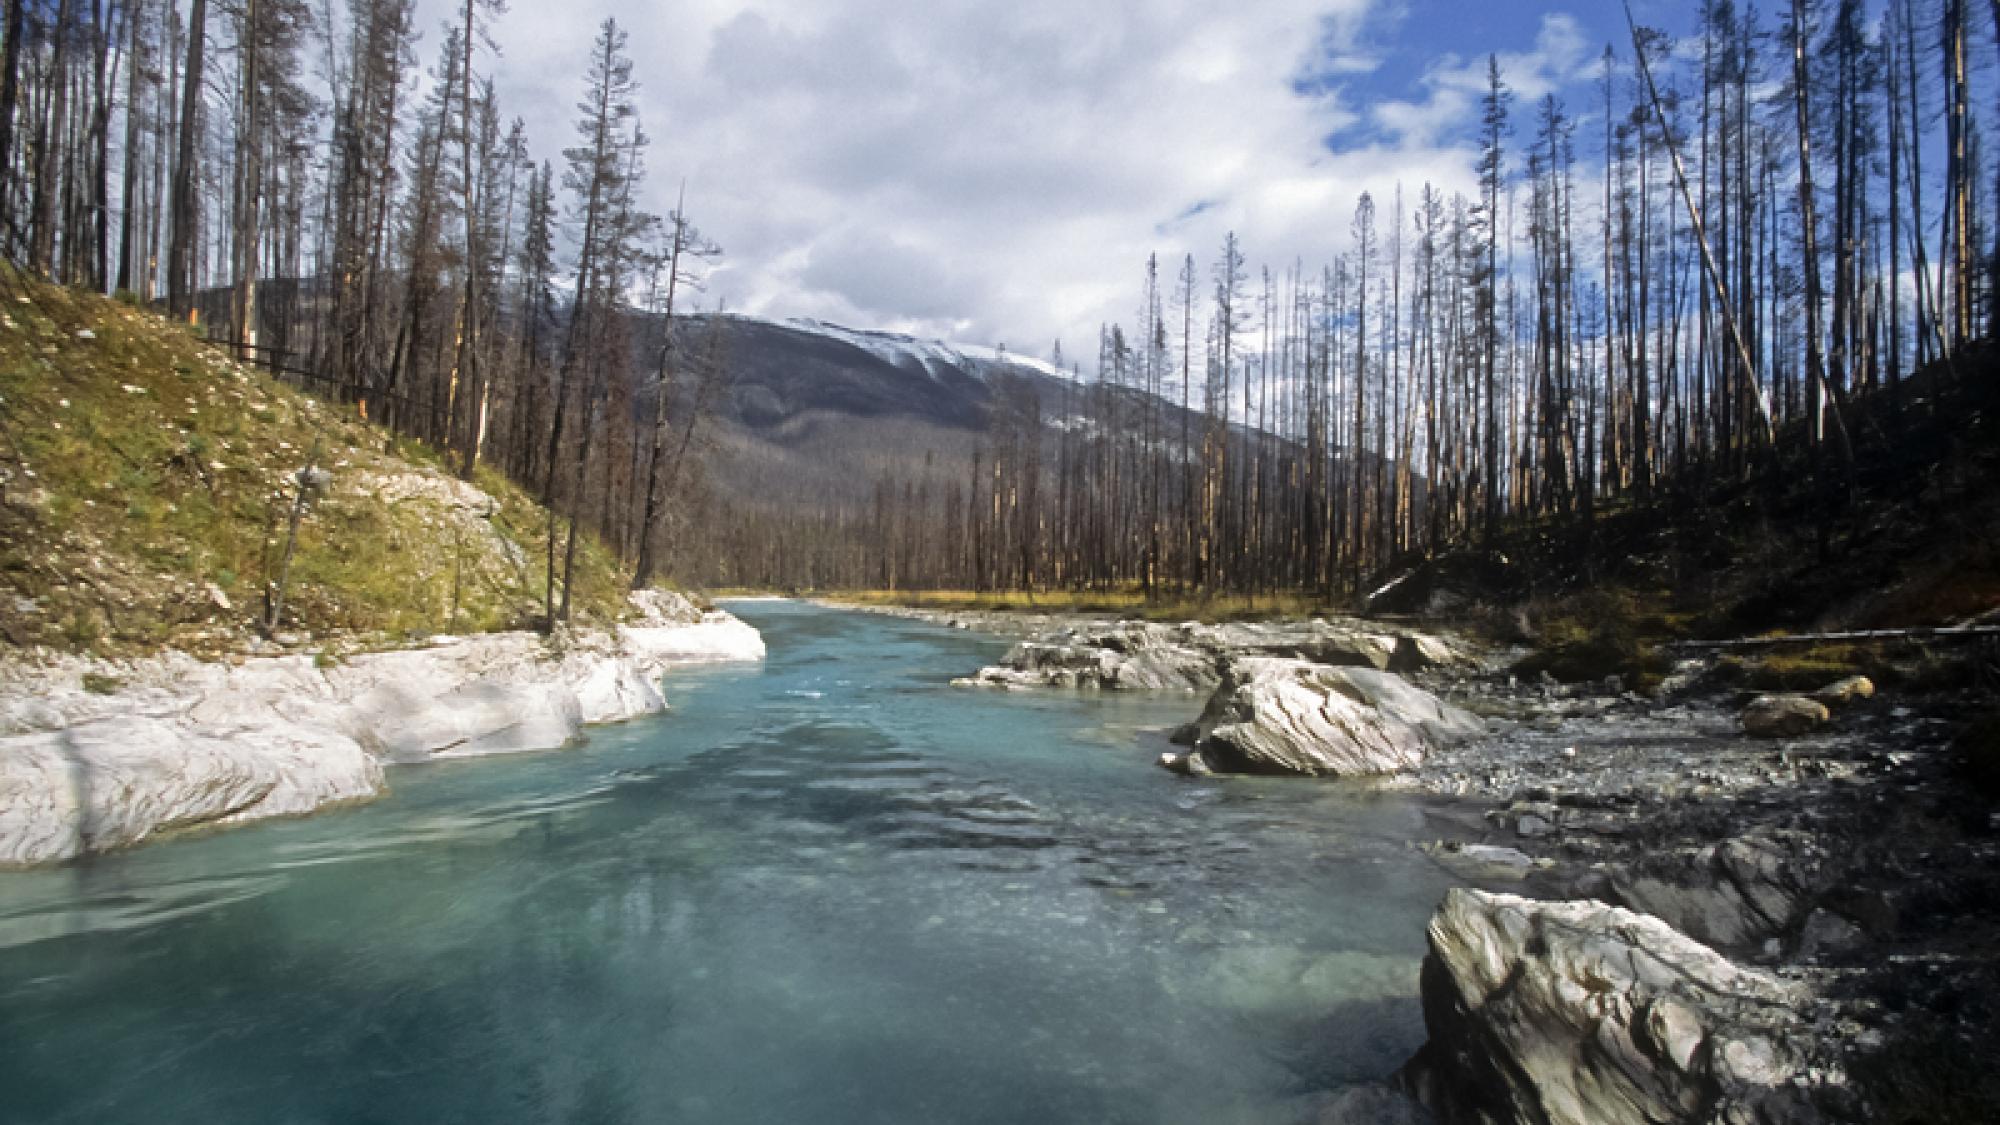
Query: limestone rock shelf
{"points": [[178, 742]]}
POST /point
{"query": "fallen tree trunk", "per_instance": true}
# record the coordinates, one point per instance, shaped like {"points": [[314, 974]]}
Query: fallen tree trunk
{"points": [[1938, 633]]}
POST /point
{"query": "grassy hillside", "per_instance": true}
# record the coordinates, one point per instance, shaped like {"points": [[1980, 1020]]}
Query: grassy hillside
{"points": [[146, 482]]}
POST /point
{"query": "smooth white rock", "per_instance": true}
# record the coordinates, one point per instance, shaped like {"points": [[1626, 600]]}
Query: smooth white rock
{"points": [[180, 742], [112, 782], [1278, 715]]}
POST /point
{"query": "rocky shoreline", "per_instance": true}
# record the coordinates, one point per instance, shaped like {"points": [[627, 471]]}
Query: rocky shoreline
{"points": [[1842, 858], [97, 755], [1734, 905]]}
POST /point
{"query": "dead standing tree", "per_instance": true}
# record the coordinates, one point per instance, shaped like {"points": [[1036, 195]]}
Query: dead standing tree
{"points": [[595, 175], [685, 254]]}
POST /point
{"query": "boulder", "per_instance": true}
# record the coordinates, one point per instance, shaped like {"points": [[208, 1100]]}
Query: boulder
{"points": [[1187, 765], [1782, 716], [1281, 716], [1529, 820], [1483, 861], [1826, 934], [1842, 692], [1735, 895], [1579, 1013], [1348, 644], [664, 607], [1420, 652], [1532, 827]]}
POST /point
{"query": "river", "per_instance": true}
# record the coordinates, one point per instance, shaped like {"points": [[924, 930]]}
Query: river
{"points": [[829, 889]]}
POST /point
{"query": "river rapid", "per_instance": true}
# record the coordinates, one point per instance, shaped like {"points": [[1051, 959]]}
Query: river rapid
{"points": [[831, 888]]}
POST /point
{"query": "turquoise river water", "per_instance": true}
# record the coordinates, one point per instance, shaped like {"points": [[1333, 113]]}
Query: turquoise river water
{"points": [[832, 889]]}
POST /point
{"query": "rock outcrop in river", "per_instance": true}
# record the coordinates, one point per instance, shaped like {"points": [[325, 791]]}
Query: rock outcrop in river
{"points": [[1578, 1013], [1190, 657], [1317, 698], [97, 755], [1274, 715]]}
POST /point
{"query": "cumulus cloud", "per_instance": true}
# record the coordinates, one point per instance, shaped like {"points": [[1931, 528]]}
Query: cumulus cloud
{"points": [[998, 173]]}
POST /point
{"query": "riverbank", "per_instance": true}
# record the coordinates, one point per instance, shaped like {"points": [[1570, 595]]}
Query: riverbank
{"points": [[1821, 905], [97, 754], [1850, 862]]}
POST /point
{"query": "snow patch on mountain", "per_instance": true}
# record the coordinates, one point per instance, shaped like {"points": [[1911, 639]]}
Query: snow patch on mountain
{"points": [[935, 358]]}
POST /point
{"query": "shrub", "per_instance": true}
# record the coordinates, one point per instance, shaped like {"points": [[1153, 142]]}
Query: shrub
{"points": [[1803, 667], [1598, 635]]}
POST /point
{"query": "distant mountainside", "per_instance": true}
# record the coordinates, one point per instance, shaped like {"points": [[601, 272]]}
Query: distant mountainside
{"points": [[781, 371], [816, 414], [829, 442], [817, 426]]}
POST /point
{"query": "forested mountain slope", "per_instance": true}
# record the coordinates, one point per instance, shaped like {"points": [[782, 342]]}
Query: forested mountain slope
{"points": [[1807, 566], [811, 417], [830, 441]]}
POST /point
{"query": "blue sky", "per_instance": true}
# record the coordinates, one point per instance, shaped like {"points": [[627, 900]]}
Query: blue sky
{"points": [[998, 173]]}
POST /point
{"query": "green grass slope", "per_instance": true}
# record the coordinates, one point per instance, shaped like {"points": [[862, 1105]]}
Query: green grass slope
{"points": [[146, 482]]}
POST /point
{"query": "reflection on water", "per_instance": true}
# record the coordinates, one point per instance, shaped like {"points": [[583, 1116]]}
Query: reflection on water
{"points": [[830, 889]]}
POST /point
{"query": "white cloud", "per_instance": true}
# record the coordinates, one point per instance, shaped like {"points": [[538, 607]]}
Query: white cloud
{"points": [[999, 172], [1561, 56]]}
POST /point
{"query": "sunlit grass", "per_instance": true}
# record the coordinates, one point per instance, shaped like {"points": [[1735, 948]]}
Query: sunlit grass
{"points": [[145, 479]]}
